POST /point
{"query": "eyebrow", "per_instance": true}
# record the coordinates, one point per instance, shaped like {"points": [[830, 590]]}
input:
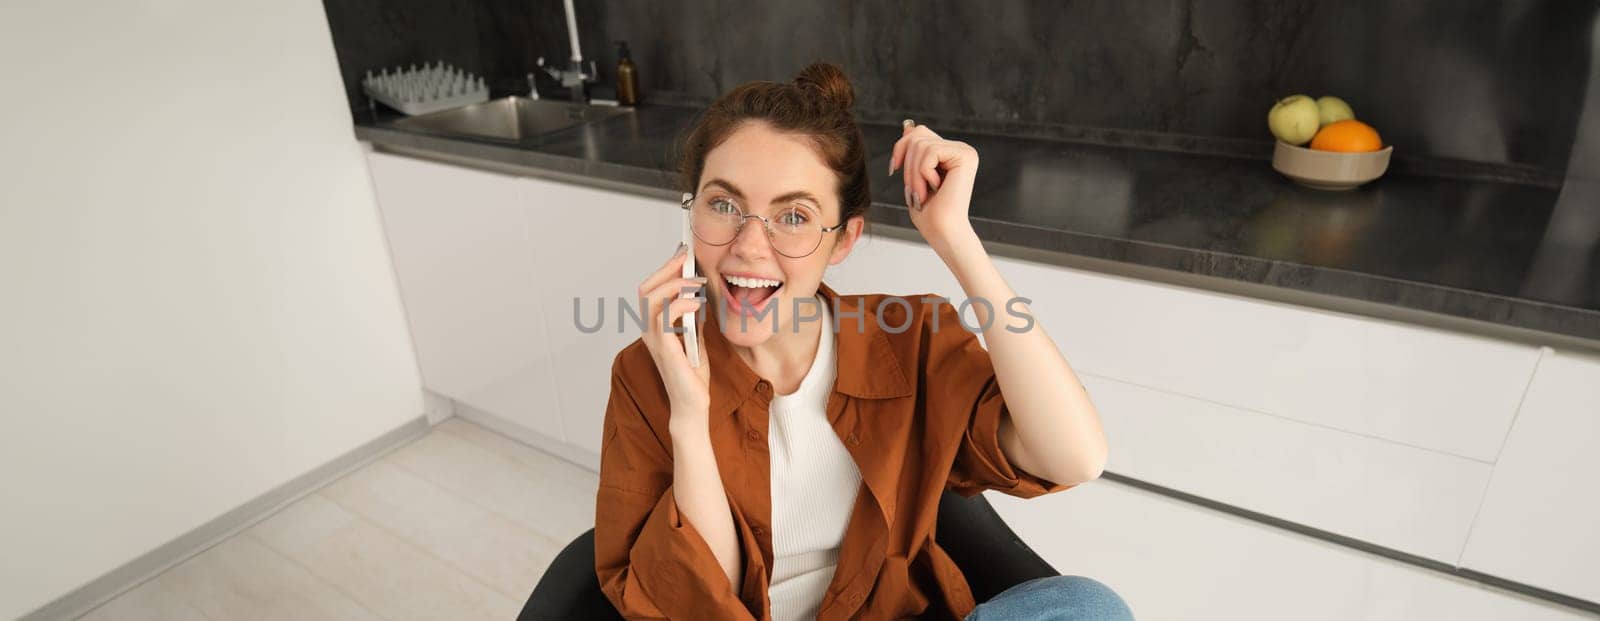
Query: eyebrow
{"points": [[797, 194]]}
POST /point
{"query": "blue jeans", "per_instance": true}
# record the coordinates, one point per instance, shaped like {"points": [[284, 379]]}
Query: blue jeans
{"points": [[1054, 597]]}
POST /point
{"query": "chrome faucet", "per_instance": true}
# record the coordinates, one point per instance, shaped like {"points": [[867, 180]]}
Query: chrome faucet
{"points": [[574, 78]]}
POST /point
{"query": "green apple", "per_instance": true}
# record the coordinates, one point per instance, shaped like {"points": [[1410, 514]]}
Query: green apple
{"points": [[1294, 119], [1330, 109]]}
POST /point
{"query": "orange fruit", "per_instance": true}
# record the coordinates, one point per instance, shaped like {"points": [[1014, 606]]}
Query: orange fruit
{"points": [[1348, 136]]}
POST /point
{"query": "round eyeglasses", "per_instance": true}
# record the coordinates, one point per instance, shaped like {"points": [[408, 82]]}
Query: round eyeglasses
{"points": [[794, 231]]}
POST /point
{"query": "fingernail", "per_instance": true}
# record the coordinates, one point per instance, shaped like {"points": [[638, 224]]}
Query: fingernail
{"points": [[908, 195], [680, 248], [699, 279], [916, 201]]}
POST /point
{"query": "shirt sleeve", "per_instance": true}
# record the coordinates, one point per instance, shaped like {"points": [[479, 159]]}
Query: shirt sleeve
{"points": [[961, 387], [651, 562]]}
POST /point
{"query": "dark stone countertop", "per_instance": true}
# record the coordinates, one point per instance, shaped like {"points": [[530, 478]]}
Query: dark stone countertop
{"points": [[1430, 240]]}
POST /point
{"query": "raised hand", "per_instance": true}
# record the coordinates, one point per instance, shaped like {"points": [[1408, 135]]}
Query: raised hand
{"points": [[938, 179]]}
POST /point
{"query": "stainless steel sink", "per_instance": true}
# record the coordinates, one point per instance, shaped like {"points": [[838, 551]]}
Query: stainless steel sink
{"points": [[510, 118]]}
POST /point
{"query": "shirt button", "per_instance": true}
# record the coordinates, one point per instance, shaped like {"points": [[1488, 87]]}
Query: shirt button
{"points": [[763, 386], [854, 439], [757, 530], [753, 435]]}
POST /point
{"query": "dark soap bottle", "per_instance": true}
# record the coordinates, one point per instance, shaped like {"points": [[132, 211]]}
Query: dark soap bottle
{"points": [[627, 77]]}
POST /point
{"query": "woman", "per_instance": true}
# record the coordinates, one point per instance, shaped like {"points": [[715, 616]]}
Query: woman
{"points": [[819, 430]]}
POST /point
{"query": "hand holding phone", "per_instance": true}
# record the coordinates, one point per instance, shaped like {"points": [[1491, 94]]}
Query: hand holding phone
{"points": [[684, 371]]}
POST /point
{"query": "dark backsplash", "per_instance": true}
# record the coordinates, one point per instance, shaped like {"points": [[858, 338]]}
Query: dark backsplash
{"points": [[1494, 81]]}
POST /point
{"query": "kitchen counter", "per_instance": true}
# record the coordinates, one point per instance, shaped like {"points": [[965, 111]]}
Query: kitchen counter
{"points": [[1504, 252]]}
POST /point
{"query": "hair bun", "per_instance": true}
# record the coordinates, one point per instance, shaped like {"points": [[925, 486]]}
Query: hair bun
{"points": [[827, 80]]}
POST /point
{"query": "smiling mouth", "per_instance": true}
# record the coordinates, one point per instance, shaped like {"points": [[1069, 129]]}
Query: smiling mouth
{"points": [[753, 292]]}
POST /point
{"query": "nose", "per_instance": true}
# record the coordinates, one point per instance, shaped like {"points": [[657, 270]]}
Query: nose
{"points": [[751, 241]]}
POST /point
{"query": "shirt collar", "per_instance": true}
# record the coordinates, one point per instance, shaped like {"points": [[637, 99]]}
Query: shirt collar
{"points": [[867, 365]]}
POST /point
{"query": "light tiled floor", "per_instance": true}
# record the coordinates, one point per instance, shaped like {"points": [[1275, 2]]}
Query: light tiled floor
{"points": [[459, 524]]}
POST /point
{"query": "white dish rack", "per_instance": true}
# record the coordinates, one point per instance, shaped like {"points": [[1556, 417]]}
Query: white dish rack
{"points": [[431, 88]]}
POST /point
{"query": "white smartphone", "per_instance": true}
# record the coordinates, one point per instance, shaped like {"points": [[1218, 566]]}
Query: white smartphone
{"points": [[691, 338]]}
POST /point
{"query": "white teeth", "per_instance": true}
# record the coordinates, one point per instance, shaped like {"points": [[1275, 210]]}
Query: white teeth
{"points": [[752, 282]]}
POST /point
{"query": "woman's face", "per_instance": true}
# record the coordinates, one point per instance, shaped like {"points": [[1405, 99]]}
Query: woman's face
{"points": [[753, 168]]}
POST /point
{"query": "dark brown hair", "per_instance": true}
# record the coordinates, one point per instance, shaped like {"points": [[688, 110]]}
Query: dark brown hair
{"points": [[815, 104]]}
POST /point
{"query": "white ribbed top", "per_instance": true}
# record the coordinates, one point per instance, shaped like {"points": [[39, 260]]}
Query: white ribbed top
{"points": [[814, 485]]}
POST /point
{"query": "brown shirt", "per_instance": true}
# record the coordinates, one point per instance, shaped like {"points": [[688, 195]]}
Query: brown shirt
{"points": [[917, 408]]}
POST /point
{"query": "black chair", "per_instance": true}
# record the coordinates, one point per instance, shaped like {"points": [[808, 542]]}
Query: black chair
{"points": [[976, 538]]}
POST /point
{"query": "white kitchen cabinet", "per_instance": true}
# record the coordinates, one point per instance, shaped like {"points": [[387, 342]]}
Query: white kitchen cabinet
{"points": [[1366, 488], [592, 245], [1325, 468], [1540, 522], [463, 256], [1174, 560]]}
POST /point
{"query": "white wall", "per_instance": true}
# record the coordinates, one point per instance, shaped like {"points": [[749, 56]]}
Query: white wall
{"points": [[196, 304]]}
